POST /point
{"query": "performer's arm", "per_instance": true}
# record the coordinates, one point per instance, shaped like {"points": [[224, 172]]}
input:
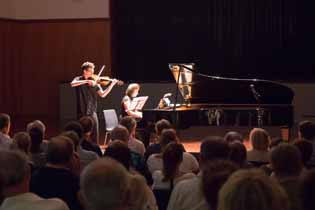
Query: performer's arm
{"points": [[132, 113], [76, 82], [103, 93]]}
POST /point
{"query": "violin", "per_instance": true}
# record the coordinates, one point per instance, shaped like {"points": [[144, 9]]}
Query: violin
{"points": [[104, 81]]}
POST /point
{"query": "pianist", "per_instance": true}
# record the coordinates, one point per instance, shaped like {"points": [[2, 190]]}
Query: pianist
{"points": [[131, 92]]}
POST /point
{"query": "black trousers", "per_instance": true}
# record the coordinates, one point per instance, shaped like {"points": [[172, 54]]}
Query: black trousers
{"points": [[95, 135]]}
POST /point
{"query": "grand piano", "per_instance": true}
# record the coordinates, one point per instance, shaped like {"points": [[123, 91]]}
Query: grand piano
{"points": [[219, 101]]}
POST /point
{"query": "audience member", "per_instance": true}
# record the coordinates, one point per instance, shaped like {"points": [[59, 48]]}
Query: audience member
{"points": [[238, 154], [188, 194], [260, 140], [308, 190], [87, 143], [252, 189], [233, 136], [134, 144], [5, 125], [85, 156], [170, 174], [155, 148], [38, 156], [56, 178], [287, 165], [40, 125], [15, 172], [214, 176], [155, 161]]}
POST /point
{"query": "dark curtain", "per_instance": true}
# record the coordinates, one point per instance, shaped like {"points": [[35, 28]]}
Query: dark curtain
{"points": [[269, 39]]}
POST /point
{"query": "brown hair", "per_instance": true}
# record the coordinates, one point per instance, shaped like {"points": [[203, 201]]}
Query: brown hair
{"points": [[214, 176], [161, 125], [22, 141], [172, 157], [167, 136], [120, 133], [87, 65], [87, 123]]}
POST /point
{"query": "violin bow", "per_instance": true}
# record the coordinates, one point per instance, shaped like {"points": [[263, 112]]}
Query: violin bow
{"points": [[100, 72]]}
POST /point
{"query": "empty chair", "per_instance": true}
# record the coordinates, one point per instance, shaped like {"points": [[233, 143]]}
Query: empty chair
{"points": [[111, 121]]}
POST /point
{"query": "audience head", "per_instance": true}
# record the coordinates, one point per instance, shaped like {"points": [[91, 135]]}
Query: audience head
{"points": [[133, 90], [73, 136], [36, 135], [130, 123], [36, 124], [306, 150], [118, 150], [5, 123], [87, 124], [172, 157], [306, 130], [14, 172], [252, 189], [105, 185], [74, 126], [161, 125], [214, 176], [233, 136], [308, 190], [238, 153], [167, 136], [260, 139], [60, 151], [120, 133], [138, 192], [286, 161], [213, 148], [22, 142]]}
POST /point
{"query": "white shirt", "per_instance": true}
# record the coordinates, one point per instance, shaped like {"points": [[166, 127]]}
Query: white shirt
{"points": [[187, 195], [188, 165], [136, 146], [30, 201], [159, 184], [86, 157]]}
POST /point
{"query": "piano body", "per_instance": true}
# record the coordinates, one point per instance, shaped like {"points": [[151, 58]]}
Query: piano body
{"points": [[211, 100]]}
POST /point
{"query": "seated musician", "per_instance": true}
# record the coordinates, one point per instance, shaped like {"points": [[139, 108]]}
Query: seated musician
{"points": [[131, 92]]}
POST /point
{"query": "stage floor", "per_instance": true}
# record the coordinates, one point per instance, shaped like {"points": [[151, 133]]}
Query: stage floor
{"points": [[191, 138]]}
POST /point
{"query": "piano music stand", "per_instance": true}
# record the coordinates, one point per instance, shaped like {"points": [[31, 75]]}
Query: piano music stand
{"points": [[181, 67]]}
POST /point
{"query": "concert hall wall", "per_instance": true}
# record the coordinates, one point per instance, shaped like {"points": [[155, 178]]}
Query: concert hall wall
{"points": [[37, 55]]}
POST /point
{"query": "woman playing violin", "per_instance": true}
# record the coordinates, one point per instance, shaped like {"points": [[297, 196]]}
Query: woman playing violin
{"points": [[87, 89]]}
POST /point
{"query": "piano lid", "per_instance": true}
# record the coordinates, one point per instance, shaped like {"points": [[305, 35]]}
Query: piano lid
{"points": [[199, 88]]}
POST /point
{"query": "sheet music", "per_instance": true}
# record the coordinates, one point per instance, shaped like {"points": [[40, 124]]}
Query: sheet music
{"points": [[138, 103]]}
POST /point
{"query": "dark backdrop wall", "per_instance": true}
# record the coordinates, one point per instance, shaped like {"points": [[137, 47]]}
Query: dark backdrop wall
{"points": [[269, 39]]}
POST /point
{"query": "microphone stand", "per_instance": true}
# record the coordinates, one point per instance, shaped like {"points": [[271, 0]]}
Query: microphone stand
{"points": [[260, 111]]}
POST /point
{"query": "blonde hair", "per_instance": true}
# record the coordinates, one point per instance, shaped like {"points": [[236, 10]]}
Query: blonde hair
{"points": [[131, 88], [249, 189], [260, 139]]}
